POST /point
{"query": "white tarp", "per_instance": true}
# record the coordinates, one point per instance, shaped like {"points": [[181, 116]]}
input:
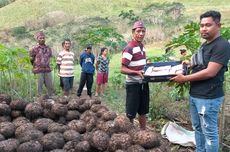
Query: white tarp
{"points": [[178, 135]]}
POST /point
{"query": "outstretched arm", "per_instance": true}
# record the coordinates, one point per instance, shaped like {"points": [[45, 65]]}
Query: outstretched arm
{"points": [[211, 71]]}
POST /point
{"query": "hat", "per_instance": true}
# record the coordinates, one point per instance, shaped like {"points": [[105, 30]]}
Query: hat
{"points": [[39, 34], [138, 24], [89, 46]]}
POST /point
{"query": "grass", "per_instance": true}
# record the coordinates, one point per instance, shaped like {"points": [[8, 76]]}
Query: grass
{"points": [[154, 51], [16, 13]]}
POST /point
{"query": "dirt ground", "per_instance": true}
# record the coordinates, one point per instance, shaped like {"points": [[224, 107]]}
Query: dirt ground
{"points": [[165, 142]]}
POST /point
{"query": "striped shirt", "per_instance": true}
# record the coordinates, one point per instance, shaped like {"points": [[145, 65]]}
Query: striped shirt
{"points": [[134, 57], [66, 61]]}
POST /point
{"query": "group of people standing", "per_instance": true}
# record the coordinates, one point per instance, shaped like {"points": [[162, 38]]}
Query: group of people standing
{"points": [[40, 56], [208, 66]]}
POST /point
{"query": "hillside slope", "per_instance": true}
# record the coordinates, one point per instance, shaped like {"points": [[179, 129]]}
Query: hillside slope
{"points": [[21, 10], [18, 12]]}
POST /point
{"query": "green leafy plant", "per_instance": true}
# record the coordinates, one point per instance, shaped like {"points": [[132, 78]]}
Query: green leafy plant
{"points": [[15, 71], [117, 79], [190, 39], [129, 15]]}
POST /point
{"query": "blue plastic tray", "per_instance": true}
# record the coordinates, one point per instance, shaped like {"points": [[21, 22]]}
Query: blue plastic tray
{"points": [[163, 78]]}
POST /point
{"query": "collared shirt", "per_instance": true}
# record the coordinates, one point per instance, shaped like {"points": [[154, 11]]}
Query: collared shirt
{"points": [[41, 58]]}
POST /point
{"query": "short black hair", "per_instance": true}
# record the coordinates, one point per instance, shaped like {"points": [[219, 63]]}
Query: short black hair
{"points": [[89, 46], [216, 16], [68, 40], [103, 49], [182, 51]]}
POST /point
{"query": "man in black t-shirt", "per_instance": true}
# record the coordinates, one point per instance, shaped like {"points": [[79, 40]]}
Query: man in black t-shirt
{"points": [[206, 82]]}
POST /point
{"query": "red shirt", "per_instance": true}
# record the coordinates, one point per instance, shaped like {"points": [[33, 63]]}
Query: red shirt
{"points": [[134, 57]]}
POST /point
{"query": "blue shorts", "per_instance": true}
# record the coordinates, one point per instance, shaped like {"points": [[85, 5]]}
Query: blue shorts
{"points": [[137, 99], [67, 83]]}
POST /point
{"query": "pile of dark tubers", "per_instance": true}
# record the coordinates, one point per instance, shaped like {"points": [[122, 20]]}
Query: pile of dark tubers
{"points": [[69, 125]]}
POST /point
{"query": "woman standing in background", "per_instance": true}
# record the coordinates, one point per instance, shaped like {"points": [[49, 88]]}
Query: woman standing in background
{"points": [[102, 67]]}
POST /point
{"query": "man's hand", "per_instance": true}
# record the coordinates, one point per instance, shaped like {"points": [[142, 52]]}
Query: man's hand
{"points": [[32, 61], [58, 67], [140, 73], [180, 78]]}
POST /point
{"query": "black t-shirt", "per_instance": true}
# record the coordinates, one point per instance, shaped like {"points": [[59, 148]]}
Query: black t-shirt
{"points": [[217, 51]]}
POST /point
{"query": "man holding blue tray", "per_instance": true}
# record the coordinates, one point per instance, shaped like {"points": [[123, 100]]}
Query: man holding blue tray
{"points": [[206, 82], [132, 64]]}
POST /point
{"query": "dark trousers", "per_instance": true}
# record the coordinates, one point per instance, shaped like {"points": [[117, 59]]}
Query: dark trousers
{"points": [[88, 79], [137, 99]]}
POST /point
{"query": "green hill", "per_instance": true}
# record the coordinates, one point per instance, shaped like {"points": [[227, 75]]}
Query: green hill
{"points": [[18, 12], [20, 19]]}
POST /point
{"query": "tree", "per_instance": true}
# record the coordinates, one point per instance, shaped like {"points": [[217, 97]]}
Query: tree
{"points": [[129, 15]]}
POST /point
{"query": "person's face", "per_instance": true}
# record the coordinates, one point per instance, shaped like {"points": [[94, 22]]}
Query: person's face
{"points": [[67, 45], [105, 52], [41, 40], [88, 51], [183, 54], [209, 28], [139, 34]]}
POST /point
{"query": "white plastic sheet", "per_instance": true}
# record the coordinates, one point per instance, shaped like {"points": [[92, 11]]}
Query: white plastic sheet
{"points": [[178, 135]]}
